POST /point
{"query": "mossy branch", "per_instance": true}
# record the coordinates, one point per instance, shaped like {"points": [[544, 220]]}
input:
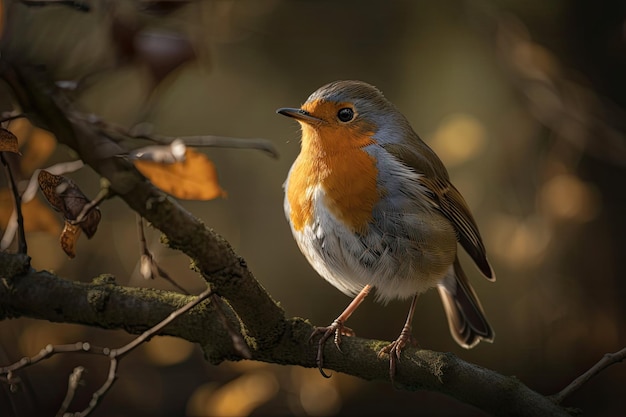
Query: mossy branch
{"points": [[103, 303], [269, 335]]}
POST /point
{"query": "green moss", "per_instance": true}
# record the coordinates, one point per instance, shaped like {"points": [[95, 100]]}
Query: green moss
{"points": [[104, 279]]}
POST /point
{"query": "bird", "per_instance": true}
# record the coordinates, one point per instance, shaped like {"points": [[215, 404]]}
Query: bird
{"points": [[372, 208]]}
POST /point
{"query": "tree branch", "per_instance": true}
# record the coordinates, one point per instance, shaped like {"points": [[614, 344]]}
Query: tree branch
{"points": [[269, 336], [114, 355], [102, 303]]}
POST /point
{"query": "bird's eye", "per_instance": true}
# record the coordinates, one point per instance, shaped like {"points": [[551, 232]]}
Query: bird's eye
{"points": [[346, 114]]}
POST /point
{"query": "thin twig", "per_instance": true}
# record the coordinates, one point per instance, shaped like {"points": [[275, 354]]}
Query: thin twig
{"points": [[238, 343], [606, 361], [117, 354], [102, 195], [21, 235], [117, 133], [219, 142], [148, 256], [148, 334], [7, 117], [72, 386], [51, 350], [95, 398], [114, 355]]}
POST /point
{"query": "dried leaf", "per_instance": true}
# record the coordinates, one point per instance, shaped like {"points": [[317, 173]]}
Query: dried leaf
{"points": [[48, 183], [8, 141], [193, 179], [65, 196], [90, 222], [69, 236]]}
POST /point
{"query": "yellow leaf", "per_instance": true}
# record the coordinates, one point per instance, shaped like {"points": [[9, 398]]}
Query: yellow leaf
{"points": [[195, 178], [37, 144], [38, 217], [38, 149], [21, 128]]}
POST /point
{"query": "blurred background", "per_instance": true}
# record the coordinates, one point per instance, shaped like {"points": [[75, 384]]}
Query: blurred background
{"points": [[523, 101]]}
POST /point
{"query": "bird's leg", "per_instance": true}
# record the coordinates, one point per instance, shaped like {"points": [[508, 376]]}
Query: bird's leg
{"points": [[395, 349], [337, 328]]}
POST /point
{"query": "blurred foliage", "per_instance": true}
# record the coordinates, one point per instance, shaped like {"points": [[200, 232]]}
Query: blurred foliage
{"points": [[523, 101]]}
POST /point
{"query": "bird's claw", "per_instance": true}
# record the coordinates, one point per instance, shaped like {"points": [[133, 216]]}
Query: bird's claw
{"points": [[394, 350], [337, 330]]}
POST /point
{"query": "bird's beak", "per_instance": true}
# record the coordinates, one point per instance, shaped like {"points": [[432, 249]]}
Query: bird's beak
{"points": [[298, 114]]}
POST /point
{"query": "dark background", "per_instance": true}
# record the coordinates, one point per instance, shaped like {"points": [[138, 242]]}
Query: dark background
{"points": [[523, 101]]}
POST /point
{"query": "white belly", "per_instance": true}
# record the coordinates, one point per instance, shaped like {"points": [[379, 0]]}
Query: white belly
{"points": [[397, 254]]}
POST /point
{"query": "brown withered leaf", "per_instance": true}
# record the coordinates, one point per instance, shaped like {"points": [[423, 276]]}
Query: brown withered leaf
{"points": [[37, 216], [48, 183], [69, 237], [90, 222], [8, 141], [195, 178], [65, 196]]}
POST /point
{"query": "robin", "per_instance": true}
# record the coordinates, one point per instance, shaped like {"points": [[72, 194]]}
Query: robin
{"points": [[371, 206]]}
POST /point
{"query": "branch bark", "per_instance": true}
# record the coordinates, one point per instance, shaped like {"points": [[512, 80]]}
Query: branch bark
{"points": [[269, 335], [102, 303]]}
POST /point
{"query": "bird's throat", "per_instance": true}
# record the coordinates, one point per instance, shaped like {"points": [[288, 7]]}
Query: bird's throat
{"points": [[346, 176]]}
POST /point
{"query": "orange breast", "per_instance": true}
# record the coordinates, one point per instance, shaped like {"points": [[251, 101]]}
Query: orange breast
{"points": [[334, 159]]}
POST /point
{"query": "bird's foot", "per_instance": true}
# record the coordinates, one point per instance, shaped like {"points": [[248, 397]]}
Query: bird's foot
{"points": [[394, 350], [337, 330]]}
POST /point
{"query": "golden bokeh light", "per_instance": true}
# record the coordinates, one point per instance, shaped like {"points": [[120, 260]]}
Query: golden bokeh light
{"points": [[239, 397], [519, 241], [319, 397], [458, 138], [566, 197], [167, 350]]}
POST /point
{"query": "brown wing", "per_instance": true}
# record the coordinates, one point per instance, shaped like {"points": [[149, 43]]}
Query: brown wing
{"points": [[447, 199]]}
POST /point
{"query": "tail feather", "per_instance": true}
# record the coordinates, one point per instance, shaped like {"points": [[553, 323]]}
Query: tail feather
{"points": [[466, 317]]}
